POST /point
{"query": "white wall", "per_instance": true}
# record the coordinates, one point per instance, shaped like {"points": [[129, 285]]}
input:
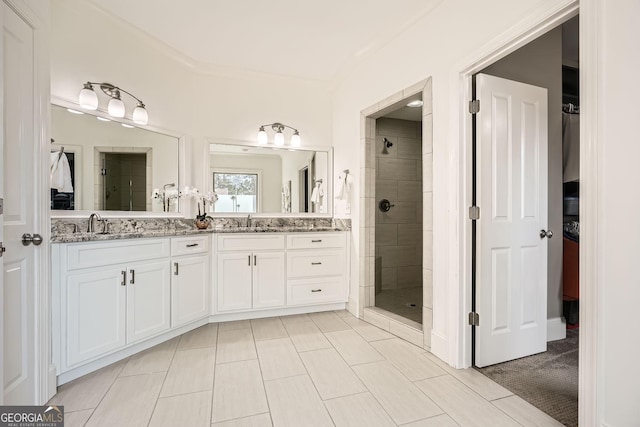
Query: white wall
{"points": [[619, 198], [88, 44], [270, 179]]}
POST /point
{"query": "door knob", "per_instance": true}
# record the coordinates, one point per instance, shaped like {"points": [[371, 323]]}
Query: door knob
{"points": [[27, 239], [548, 234]]}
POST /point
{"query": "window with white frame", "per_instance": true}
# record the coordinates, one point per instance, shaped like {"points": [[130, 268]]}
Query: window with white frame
{"points": [[237, 191]]}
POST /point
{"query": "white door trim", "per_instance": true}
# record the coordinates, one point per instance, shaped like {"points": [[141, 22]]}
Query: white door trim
{"points": [[38, 19], [457, 351]]}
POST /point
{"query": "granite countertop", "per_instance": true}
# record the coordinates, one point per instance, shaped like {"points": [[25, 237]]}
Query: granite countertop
{"points": [[62, 232]]}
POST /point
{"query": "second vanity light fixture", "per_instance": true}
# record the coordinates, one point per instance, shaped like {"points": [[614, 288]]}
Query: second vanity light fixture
{"points": [[88, 100], [278, 138]]}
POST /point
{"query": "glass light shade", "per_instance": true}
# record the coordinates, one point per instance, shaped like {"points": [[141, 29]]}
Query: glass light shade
{"points": [[295, 140], [278, 139], [263, 138], [88, 99], [115, 107], [140, 115]]}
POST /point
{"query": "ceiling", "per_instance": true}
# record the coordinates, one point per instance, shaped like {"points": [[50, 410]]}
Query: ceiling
{"points": [[313, 40]]}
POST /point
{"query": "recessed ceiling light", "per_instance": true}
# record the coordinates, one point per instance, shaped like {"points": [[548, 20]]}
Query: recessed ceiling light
{"points": [[102, 119], [416, 103], [71, 110], [126, 125]]}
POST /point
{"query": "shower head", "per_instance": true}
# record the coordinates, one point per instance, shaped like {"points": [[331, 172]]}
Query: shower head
{"points": [[386, 144]]}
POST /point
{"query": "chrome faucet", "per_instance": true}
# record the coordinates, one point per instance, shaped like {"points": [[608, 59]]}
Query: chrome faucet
{"points": [[249, 220], [91, 217]]}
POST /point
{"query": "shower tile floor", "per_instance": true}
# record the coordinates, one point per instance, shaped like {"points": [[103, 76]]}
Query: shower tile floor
{"points": [[405, 302]]}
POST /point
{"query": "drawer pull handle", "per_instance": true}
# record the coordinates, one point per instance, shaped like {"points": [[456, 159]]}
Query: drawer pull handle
{"points": [[175, 265], [316, 263], [192, 245], [255, 260], [133, 277], [249, 260], [317, 241], [124, 278], [316, 290]]}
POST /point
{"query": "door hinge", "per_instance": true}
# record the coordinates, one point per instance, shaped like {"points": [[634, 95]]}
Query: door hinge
{"points": [[1, 206], [474, 106], [2, 249], [474, 319], [474, 213], [103, 172]]}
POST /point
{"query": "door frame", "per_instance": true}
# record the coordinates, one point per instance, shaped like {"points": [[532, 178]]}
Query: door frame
{"points": [[458, 350], [37, 17]]}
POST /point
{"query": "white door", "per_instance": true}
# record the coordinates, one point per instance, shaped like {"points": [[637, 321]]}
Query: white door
{"points": [[96, 314], [148, 299], [20, 262], [190, 290], [511, 291], [268, 279], [234, 281]]}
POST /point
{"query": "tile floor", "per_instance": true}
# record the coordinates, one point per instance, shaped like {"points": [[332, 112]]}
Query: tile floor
{"points": [[320, 369], [406, 302]]}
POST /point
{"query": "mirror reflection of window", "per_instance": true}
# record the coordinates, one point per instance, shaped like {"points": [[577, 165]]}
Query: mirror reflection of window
{"points": [[237, 192]]}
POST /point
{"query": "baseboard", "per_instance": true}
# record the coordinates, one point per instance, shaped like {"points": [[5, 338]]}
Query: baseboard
{"points": [[439, 347], [556, 329]]}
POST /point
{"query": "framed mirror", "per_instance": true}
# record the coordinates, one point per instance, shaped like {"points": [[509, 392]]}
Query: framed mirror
{"points": [[99, 164], [268, 180]]}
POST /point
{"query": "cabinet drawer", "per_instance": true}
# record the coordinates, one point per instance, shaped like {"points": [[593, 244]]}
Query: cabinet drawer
{"points": [[315, 263], [189, 245], [249, 242], [96, 254], [315, 291], [315, 240]]}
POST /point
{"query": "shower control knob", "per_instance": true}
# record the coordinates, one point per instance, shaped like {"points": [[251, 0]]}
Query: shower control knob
{"points": [[385, 205]]}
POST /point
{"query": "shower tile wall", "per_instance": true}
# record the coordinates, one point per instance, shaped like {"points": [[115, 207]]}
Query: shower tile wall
{"points": [[398, 239]]}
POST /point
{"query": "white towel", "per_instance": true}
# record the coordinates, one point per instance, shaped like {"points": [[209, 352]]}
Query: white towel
{"points": [[60, 176], [343, 192], [317, 194]]}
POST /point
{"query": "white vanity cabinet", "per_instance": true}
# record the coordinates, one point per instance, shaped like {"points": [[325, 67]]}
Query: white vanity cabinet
{"points": [[190, 284], [110, 294], [316, 268], [250, 272]]}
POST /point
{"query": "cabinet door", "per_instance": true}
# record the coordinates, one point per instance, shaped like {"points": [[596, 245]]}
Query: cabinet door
{"points": [[234, 281], [95, 314], [148, 299], [189, 289], [268, 279]]}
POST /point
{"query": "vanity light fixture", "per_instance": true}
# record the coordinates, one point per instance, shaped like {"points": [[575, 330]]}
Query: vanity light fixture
{"points": [[278, 138], [416, 103], [88, 99]]}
